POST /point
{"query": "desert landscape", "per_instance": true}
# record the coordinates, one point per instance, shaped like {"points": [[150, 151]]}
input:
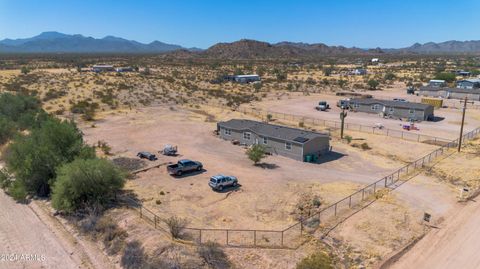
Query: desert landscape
{"points": [[169, 135]]}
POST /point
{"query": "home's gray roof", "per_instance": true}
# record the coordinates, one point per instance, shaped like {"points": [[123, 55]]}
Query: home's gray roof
{"points": [[471, 80], [390, 103], [271, 130], [459, 90]]}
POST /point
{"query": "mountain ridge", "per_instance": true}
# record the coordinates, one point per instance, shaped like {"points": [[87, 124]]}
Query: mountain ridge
{"points": [[56, 42]]}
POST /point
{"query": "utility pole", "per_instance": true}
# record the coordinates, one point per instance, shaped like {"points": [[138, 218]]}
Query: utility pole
{"points": [[463, 121], [343, 115]]}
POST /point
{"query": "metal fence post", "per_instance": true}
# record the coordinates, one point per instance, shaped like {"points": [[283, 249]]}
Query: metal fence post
{"points": [[227, 237], [200, 235], [350, 202], [255, 237], [141, 212], [335, 210], [155, 220], [282, 240]]}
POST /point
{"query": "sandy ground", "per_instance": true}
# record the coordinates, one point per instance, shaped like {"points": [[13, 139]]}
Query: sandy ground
{"points": [[453, 244], [301, 105], [23, 232]]}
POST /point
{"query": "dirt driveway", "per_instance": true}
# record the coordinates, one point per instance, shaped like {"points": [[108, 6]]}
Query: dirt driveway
{"points": [[454, 244], [23, 232]]}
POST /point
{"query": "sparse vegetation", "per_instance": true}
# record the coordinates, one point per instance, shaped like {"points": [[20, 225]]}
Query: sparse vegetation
{"points": [[176, 226], [319, 260]]}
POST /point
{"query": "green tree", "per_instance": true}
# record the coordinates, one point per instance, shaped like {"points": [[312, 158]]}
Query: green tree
{"points": [[256, 153], [373, 84], [21, 109], [85, 183], [448, 77], [34, 158], [7, 129]]}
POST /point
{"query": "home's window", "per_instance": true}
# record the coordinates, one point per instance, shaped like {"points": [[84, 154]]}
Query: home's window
{"points": [[288, 145], [227, 131], [265, 140], [356, 105], [391, 110], [374, 107], [246, 135], [411, 111]]}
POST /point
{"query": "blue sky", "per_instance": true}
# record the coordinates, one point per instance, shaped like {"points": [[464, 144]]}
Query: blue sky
{"points": [[190, 23]]}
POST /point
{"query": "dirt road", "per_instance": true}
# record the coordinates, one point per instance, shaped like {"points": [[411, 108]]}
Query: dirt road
{"points": [[454, 244], [22, 232]]}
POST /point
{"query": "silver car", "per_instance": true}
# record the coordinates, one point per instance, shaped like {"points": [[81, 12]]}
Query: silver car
{"points": [[219, 182]]}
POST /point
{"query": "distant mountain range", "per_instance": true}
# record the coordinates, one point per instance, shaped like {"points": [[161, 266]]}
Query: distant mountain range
{"points": [[55, 42]]}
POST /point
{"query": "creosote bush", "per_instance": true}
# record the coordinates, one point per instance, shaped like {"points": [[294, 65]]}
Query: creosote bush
{"points": [[319, 260]]}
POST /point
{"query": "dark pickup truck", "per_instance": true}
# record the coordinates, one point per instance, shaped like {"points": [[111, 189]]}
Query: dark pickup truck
{"points": [[184, 166]]}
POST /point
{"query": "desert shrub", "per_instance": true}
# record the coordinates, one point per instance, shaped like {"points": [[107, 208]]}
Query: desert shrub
{"points": [[448, 77], [133, 256], [319, 260], [18, 191], [7, 129], [373, 84], [307, 205], [6, 179], [213, 255], [86, 183], [113, 237], [256, 153], [86, 108], [104, 147], [365, 146], [34, 158], [348, 138], [21, 109], [301, 124], [176, 226]]}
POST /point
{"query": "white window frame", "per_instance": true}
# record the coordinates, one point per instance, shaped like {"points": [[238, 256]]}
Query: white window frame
{"points": [[288, 146], [245, 134], [411, 111], [391, 109], [356, 105], [375, 107], [227, 131]]}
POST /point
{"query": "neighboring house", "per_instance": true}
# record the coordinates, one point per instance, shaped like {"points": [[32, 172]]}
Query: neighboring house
{"points": [[243, 78], [393, 109], [450, 93], [375, 60], [102, 68], [437, 83], [124, 69], [473, 83], [359, 72], [285, 141], [462, 73]]}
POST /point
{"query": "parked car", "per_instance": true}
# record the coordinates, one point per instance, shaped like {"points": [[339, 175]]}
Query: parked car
{"points": [[169, 150], [184, 166], [147, 155], [343, 104], [400, 100], [219, 182], [322, 106]]}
